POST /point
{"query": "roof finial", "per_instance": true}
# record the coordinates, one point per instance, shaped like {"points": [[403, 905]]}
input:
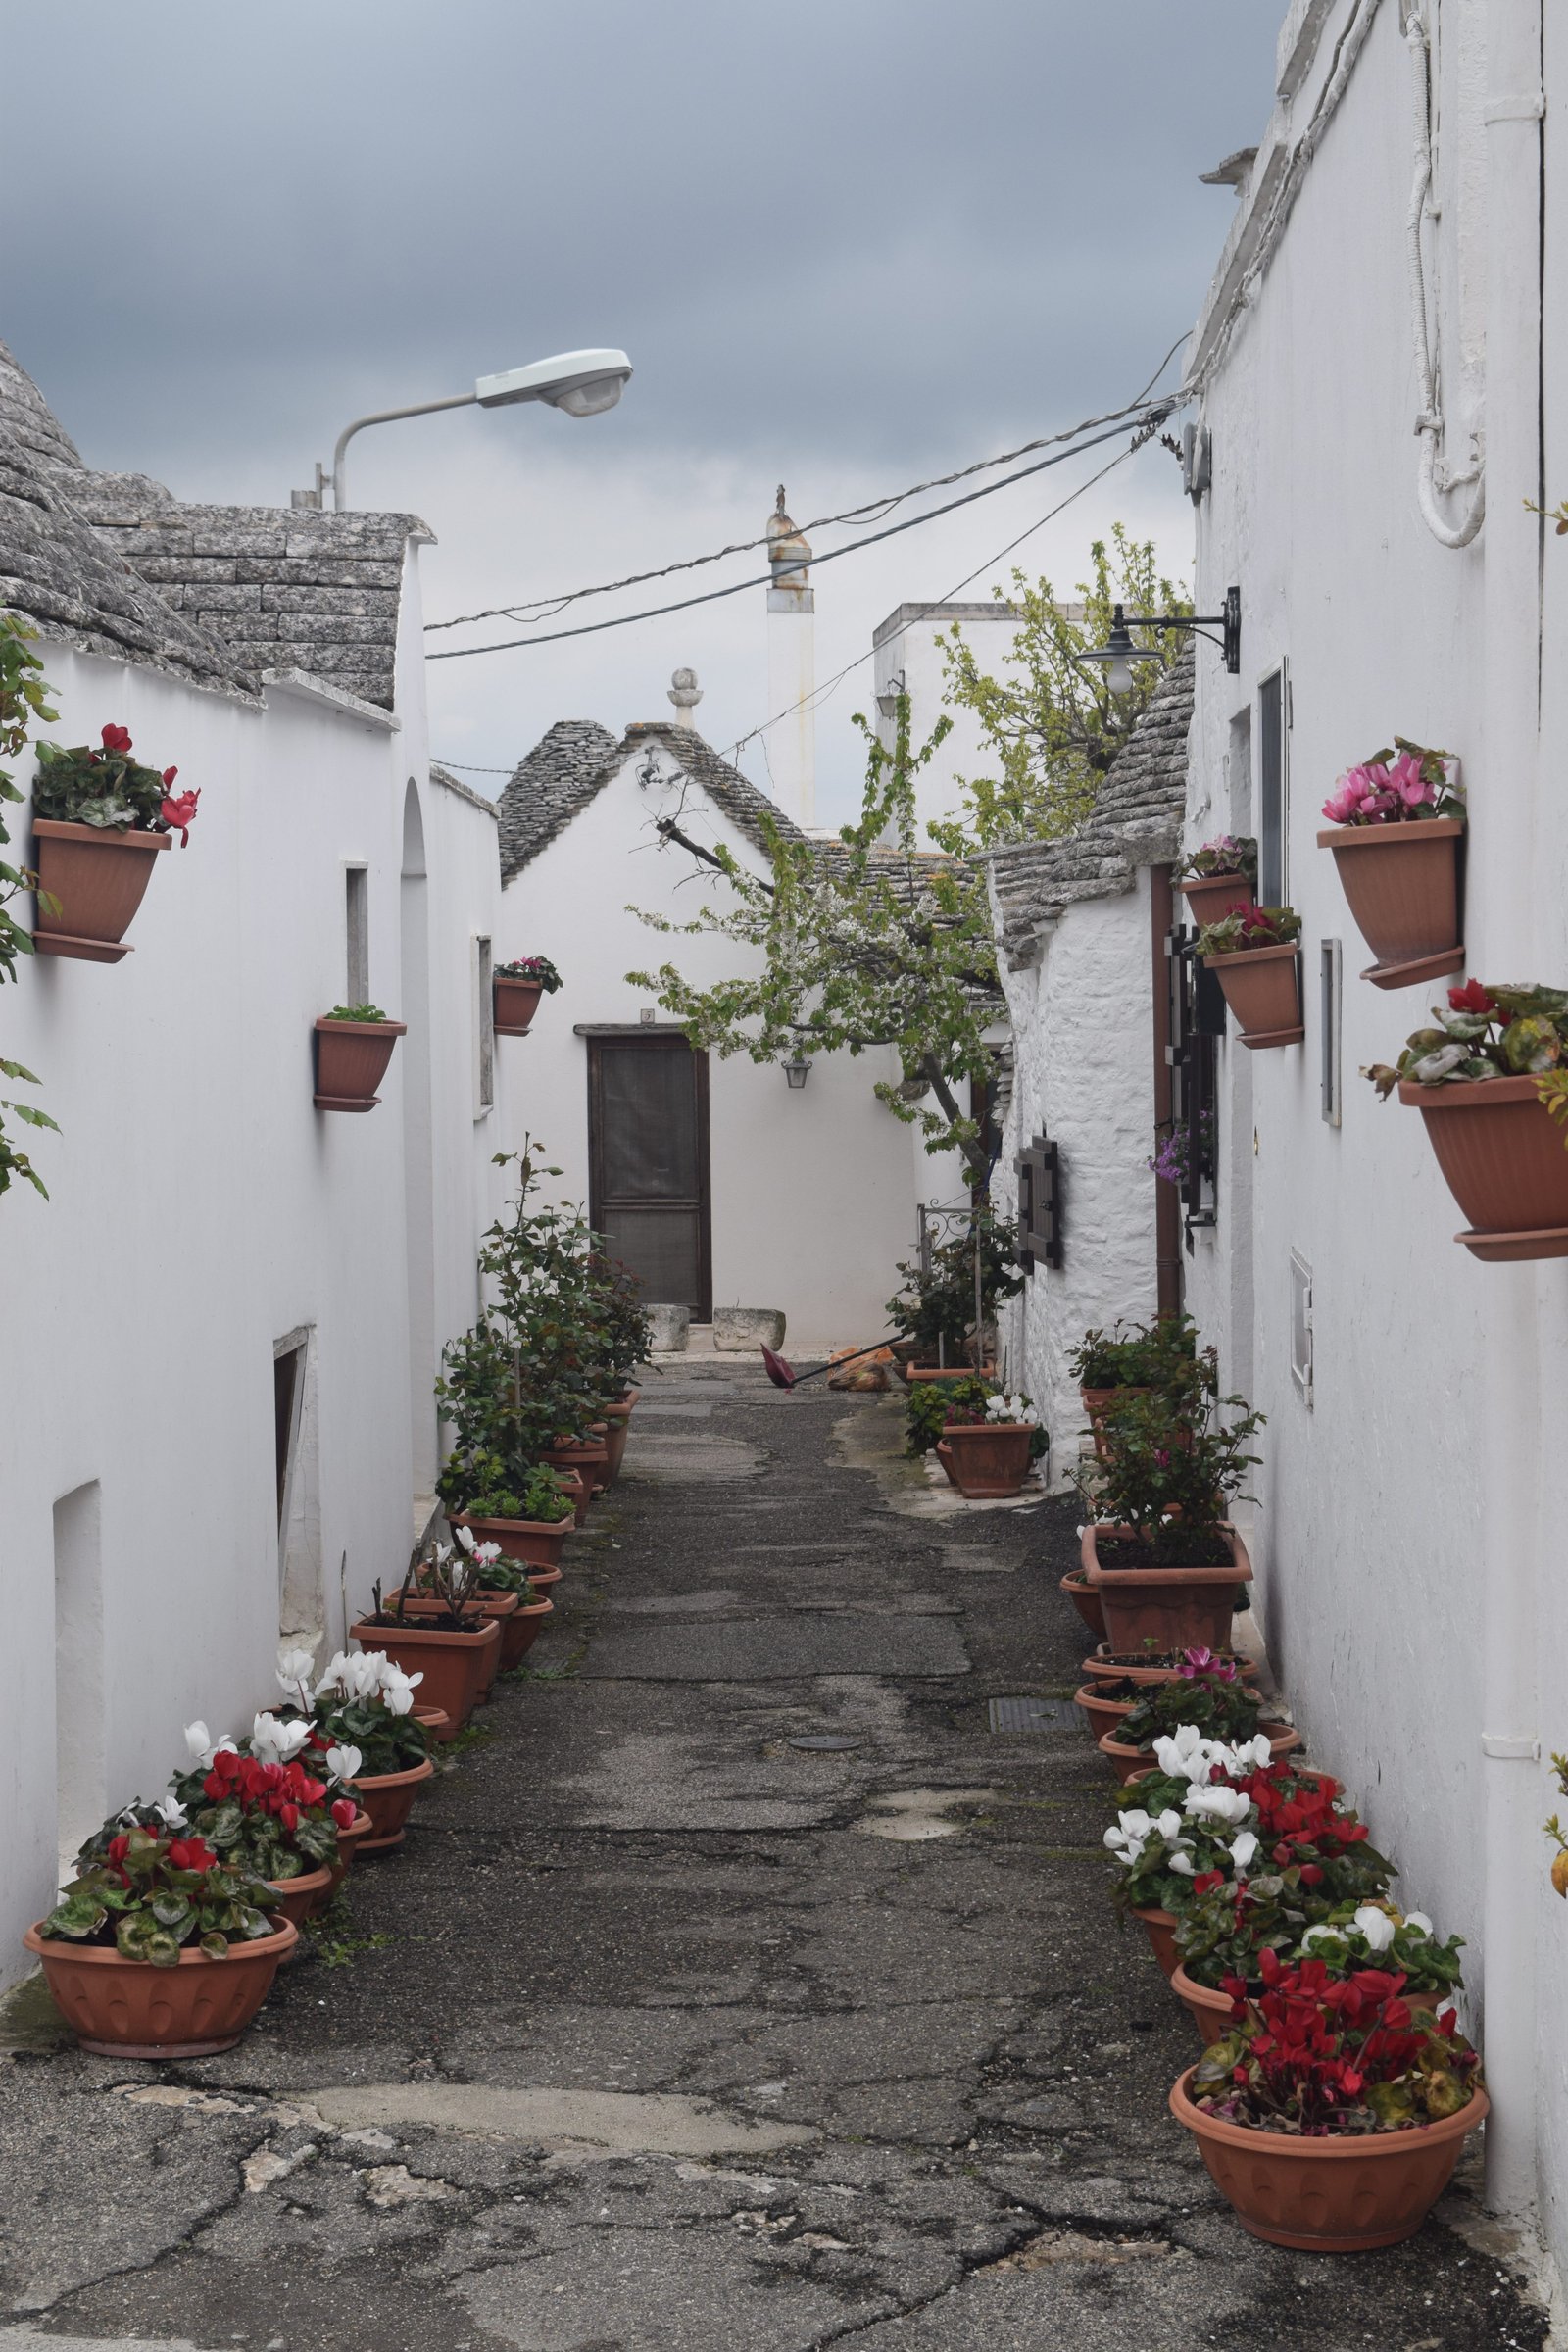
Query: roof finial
{"points": [[779, 508], [685, 694]]}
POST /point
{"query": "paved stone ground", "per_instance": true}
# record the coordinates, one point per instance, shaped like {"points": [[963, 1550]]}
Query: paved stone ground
{"points": [[686, 2040]]}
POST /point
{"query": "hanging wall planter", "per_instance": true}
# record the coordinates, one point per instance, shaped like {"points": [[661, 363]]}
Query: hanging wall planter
{"points": [[1483, 1081], [353, 1047], [518, 988], [1396, 824], [99, 818], [1251, 951]]}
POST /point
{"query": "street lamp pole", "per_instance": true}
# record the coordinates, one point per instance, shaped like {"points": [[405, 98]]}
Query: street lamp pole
{"points": [[582, 383]]}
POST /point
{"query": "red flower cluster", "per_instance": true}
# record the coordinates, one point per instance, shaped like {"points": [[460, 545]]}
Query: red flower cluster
{"points": [[179, 809], [181, 1853], [1298, 1817], [1322, 2041], [281, 1788], [116, 740], [1472, 998]]}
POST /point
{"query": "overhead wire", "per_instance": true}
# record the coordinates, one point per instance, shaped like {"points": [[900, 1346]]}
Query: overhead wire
{"points": [[870, 509]]}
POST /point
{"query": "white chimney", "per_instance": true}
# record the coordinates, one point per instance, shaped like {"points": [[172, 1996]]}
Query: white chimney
{"points": [[685, 694], [791, 740]]}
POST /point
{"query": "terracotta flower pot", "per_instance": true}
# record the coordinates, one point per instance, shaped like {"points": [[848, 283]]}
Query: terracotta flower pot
{"points": [[1160, 1929], [589, 1458], [1263, 988], [438, 1724], [544, 1582], [304, 1897], [1101, 1714], [388, 1798], [989, 1459], [1210, 2009], [99, 881], [349, 1843], [578, 1491], [923, 1372], [1402, 885], [121, 2008], [536, 1543], [618, 1423], [1283, 1739], [515, 1003], [1173, 1608], [503, 1606], [1096, 1402], [1342, 2194], [1085, 1599], [1100, 1667], [1209, 897], [1502, 1157], [522, 1630], [351, 1058], [452, 1663]]}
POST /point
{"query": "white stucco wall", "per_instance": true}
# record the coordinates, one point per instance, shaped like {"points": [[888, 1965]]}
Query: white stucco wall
{"points": [[910, 640], [812, 1189], [1083, 1074], [1383, 1502], [201, 1209]]}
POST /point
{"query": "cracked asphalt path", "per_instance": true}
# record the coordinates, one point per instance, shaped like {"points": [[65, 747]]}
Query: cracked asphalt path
{"points": [[687, 2039]]}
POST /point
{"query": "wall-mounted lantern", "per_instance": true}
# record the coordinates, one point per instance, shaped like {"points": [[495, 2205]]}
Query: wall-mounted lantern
{"points": [[887, 701], [795, 1073], [1120, 653]]}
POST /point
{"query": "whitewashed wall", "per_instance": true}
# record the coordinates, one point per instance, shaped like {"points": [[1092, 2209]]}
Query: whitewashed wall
{"points": [[1083, 1076], [812, 1190], [910, 641], [1407, 1513], [201, 1209]]}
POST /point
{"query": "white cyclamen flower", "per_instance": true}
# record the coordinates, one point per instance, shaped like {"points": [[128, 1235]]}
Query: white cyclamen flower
{"points": [[465, 1537], [1183, 1863], [1203, 1803], [275, 1742], [397, 1689], [1170, 1824], [294, 1667], [203, 1747], [486, 1555], [172, 1813], [343, 1763], [1242, 1848], [1376, 1926], [1321, 1934], [1418, 1922], [1184, 1754]]}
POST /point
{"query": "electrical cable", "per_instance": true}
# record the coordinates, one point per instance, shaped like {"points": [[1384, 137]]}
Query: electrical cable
{"points": [[872, 510]]}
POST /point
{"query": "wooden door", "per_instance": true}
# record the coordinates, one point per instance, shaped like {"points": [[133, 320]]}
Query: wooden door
{"points": [[647, 1164]]}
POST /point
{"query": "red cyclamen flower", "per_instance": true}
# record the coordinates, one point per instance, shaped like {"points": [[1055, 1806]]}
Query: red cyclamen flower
{"points": [[1471, 998], [117, 739], [178, 810]]}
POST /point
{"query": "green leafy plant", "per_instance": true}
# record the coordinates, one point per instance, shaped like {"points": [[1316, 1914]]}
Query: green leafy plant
{"points": [[1050, 723], [151, 1895], [1168, 1480], [105, 787], [24, 700], [926, 1406], [357, 1012], [1213, 1700], [1163, 1356], [1227, 854], [364, 1703], [870, 941], [935, 1308], [537, 968], [1490, 1032], [541, 1497], [1244, 927]]}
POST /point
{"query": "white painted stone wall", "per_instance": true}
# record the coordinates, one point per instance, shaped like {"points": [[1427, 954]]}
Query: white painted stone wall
{"points": [[909, 641], [1406, 1536], [1083, 1076], [201, 1209], [812, 1189]]}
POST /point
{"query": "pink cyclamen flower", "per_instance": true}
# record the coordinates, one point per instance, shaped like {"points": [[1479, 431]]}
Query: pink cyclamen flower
{"points": [[1406, 780], [1360, 796]]}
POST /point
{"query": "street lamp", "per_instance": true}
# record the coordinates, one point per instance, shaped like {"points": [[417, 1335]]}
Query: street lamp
{"points": [[1120, 653], [583, 383]]}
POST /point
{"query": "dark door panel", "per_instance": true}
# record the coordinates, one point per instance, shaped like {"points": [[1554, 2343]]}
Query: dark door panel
{"points": [[648, 1161]]}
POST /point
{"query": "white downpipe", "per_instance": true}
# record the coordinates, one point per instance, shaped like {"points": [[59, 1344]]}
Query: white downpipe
{"points": [[1506, 933], [1429, 423]]}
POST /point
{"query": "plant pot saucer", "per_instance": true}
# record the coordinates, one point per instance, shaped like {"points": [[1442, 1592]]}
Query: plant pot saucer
{"points": [[84, 951], [1273, 1037], [345, 1102], [1418, 968], [1510, 1248]]}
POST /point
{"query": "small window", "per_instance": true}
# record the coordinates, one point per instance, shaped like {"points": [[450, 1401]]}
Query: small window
{"points": [[1273, 718], [288, 1396], [357, 907], [1301, 1324], [484, 1027], [1331, 1002]]}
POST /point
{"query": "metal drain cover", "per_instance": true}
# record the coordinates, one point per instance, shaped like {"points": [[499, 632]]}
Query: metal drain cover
{"points": [[1033, 1714], [823, 1743]]}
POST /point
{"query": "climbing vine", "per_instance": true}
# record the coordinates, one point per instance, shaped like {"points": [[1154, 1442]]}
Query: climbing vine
{"points": [[23, 699]]}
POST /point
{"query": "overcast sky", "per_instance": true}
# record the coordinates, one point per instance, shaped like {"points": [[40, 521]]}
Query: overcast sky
{"points": [[846, 242]]}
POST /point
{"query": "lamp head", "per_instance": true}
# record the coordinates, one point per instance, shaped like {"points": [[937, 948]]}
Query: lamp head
{"points": [[1118, 653], [584, 384]]}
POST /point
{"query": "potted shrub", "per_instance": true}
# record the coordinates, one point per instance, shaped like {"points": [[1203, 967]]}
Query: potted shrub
{"points": [[1085, 1599], [1254, 952], [1158, 1357], [278, 1805], [160, 1950], [454, 1650], [446, 1586], [353, 1046], [935, 1310], [518, 988], [529, 1524], [986, 1448], [502, 1579], [1394, 826], [99, 818], [1213, 1700], [1333, 2115], [364, 1706], [1147, 1664], [1233, 1940], [1163, 1557], [1220, 875], [1488, 1080]]}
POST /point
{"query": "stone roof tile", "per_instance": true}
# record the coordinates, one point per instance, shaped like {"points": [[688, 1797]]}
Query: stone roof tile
{"points": [[1137, 820]]}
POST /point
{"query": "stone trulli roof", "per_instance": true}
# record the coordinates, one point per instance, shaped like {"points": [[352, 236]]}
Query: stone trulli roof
{"points": [[568, 766], [55, 572], [287, 588], [1137, 820]]}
